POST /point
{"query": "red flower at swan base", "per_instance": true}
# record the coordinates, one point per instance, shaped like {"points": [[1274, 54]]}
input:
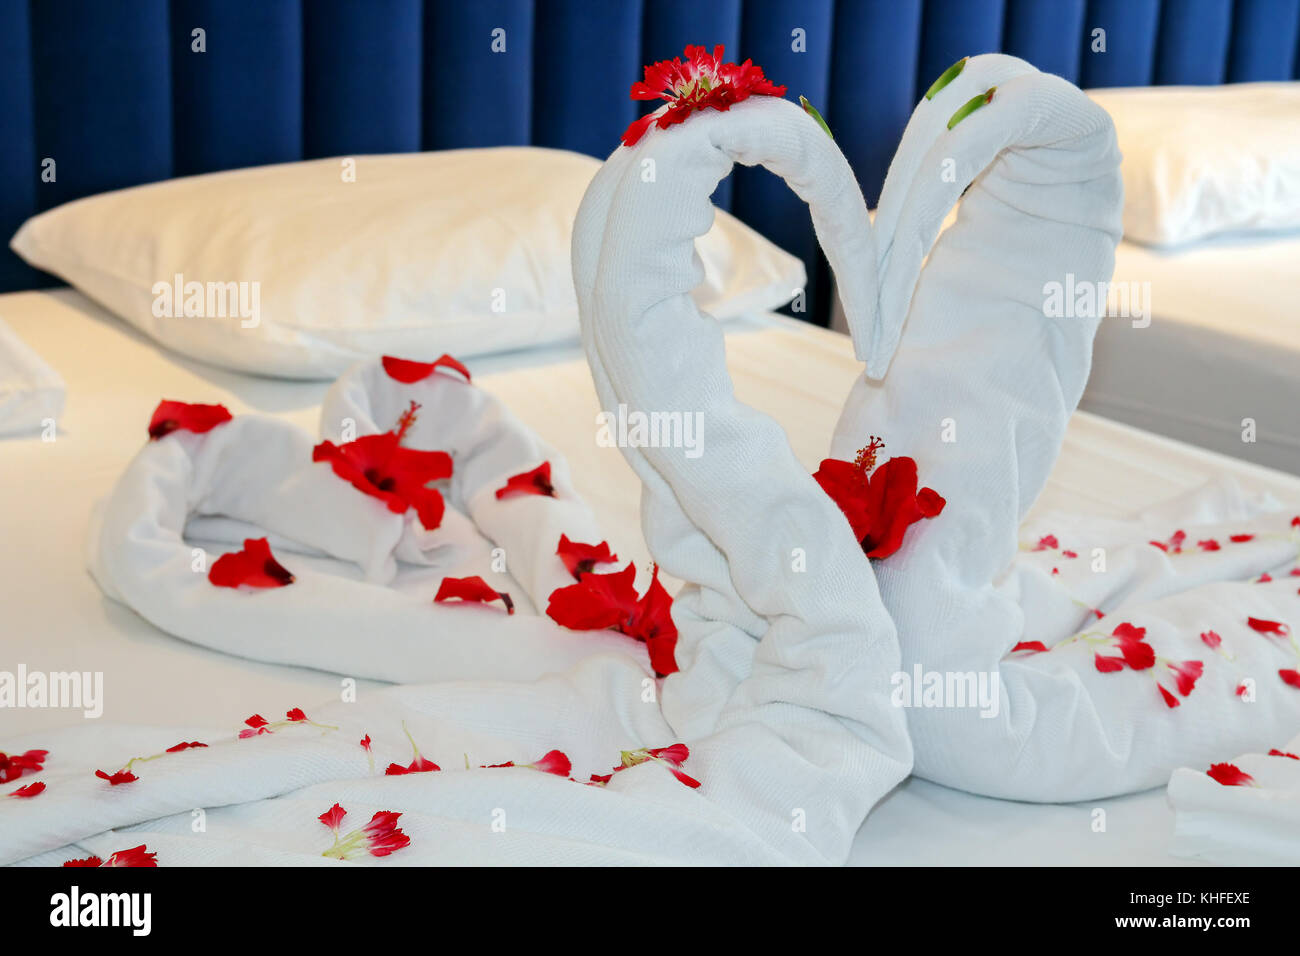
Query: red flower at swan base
{"points": [[609, 600], [881, 504], [702, 82], [253, 567], [172, 416], [473, 588], [378, 465]]}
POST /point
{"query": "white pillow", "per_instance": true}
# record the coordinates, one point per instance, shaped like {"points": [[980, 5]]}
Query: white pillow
{"points": [[1202, 161], [416, 254]]}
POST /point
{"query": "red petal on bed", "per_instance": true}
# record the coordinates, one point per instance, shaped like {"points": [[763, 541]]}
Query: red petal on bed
{"points": [[117, 779], [419, 765], [1170, 699], [257, 724], [382, 835], [1291, 677], [1241, 538], [333, 817], [1211, 639], [253, 567], [1282, 753], [580, 559], [1108, 665], [554, 761], [13, 767], [1187, 674], [1069, 554], [1230, 775], [408, 372], [29, 790], [1047, 542], [172, 416], [846, 485], [85, 861], [535, 482], [185, 745], [1276, 628], [1209, 544], [472, 588], [595, 602], [1035, 646], [379, 466], [930, 502], [653, 623], [1132, 645], [675, 754]]}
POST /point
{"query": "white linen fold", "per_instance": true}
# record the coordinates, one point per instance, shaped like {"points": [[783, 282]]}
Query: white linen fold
{"points": [[31, 393]]}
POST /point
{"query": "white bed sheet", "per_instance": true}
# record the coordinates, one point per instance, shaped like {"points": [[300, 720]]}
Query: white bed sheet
{"points": [[1223, 345], [52, 617]]}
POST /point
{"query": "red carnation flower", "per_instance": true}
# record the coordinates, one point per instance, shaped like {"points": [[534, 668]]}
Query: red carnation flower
{"points": [[408, 372], [1135, 653], [378, 465], [116, 779], [610, 601], [13, 767], [535, 482], [182, 416], [136, 856], [253, 567], [379, 837], [29, 790], [702, 82], [473, 588], [1230, 775], [553, 761], [881, 504], [580, 559], [671, 757]]}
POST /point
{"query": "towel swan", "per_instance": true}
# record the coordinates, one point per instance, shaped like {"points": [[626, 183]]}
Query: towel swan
{"points": [[967, 372]]}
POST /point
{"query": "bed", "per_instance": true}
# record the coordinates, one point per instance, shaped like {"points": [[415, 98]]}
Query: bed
{"points": [[116, 376]]}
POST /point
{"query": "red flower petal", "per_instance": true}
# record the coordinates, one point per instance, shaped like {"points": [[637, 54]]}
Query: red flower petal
{"points": [[177, 416], [407, 372], [378, 466], [183, 745], [333, 817], [87, 861], [1282, 753], [1170, 699], [136, 856], [931, 503], [473, 588], [1208, 545], [846, 485], [597, 601], [253, 567], [1240, 538], [257, 724], [1291, 677], [365, 743], [118, 778], [1108, 665], [1036, 646], [418, 765], [1276, 628], [1187, 674], [1047, 542], [653, 623], [296, 715], [554, 761], [535, 482], [382, 835], [1230, 775], [30, 790], [11, 768], [580, 559], [1069, 554], [891, 502], [1211, 639]]}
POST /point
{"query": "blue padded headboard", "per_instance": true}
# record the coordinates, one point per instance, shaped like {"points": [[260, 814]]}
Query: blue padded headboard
{"points": [[112, 91]]}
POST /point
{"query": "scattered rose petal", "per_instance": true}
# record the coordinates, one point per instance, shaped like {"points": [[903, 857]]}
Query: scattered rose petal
{"points": [[1208, 544], [1170, 699], [472, 588], [1240, 538], [1291, 677], [30, 790], [253, 567], [183, 416], [257, 724], [580, 559], [118, 778], [408, 372], [1035, 646], [1275, 628], [1047, 542], [185, 745]]}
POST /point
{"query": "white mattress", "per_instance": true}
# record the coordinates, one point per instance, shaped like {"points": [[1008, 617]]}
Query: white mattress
{"points": [[54, 618], [1223, 345]]}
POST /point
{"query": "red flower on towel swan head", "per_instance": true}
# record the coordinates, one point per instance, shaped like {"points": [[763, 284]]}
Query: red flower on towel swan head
{"points": [[535, 482], [880, 503], [580, 559], [610, 600], [408, 372], [136, 856], [253, 567], [379, 466], [1230, 775], [702, 81], [172, 416], [472, 589]]}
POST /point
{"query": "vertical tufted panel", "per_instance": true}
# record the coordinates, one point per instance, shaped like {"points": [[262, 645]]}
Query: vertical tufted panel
{"points": [[1130, 42], [952, 29], [239, 103], [362, 76], [1046, 33], [102, 95], [19, 167], [1193, 45], [669, 25], [1264, 40], [590, 54], [473, 95]]}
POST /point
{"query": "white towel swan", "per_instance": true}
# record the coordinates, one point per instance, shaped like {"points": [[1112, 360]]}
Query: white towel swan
{"points": [[981, 384]]}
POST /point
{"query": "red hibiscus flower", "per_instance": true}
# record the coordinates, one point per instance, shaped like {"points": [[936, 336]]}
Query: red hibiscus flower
{"points": [[183, 416], [702, 82], [136, 856], [379, 837], [610, 600], [419, 764], [473, 588], [1047, 542], [407, 372], [880, 505], [116, 779], [379, 466], [535, 482], [1230, 775], [253, 567], [30, 790], [1282, 753], [1273, 628], [580, 559], [1291, 677], [1034, 646], [184, 746], [13, 767]]}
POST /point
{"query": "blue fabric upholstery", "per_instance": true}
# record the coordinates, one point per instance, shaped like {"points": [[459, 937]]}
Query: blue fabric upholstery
{"points": [[117, 94]]}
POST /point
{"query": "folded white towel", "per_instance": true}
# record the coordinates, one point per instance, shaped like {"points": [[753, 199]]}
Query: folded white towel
{"points": [[31, 393], [1242, 812], [979, 393]]}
